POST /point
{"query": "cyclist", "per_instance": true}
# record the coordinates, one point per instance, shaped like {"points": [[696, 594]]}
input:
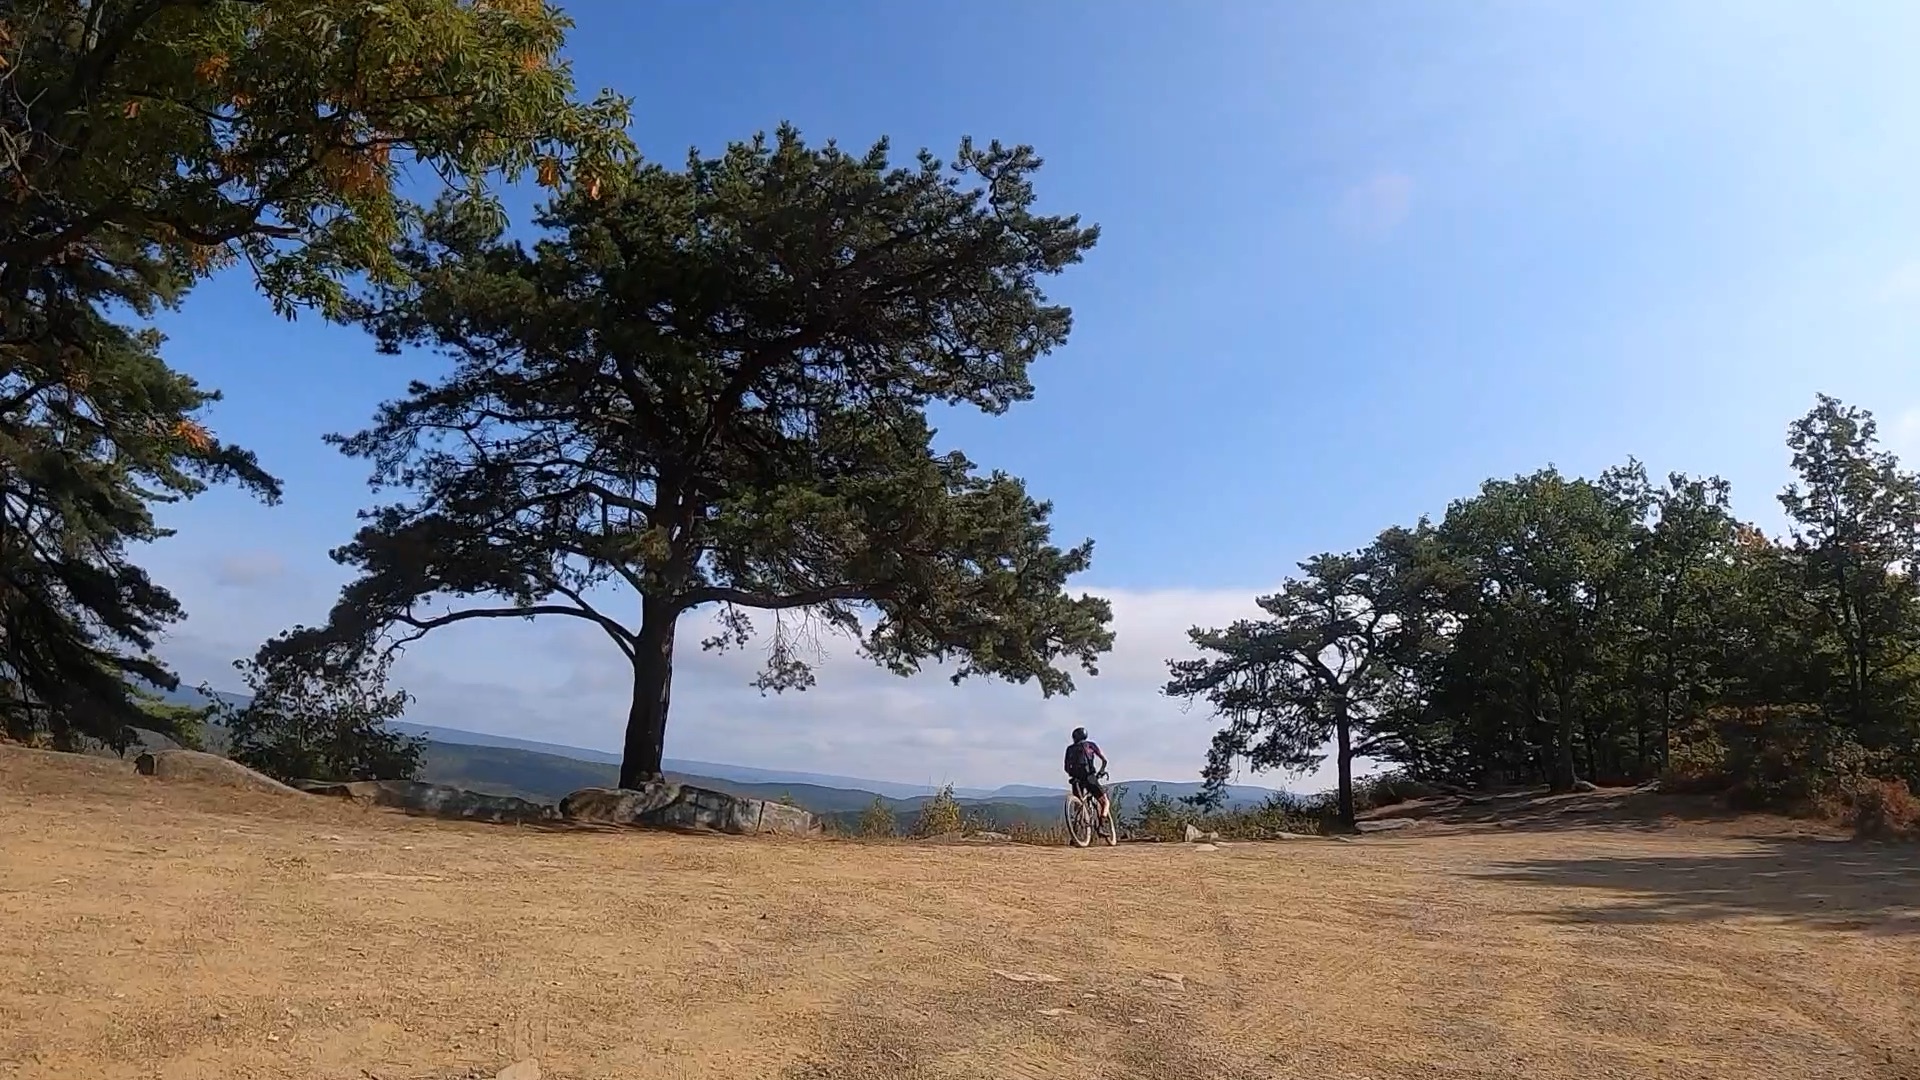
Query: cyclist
{"points": [[1082, 773]]}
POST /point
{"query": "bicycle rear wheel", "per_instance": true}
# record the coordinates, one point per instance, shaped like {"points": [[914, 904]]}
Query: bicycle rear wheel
{"points": [[1079, 821]]}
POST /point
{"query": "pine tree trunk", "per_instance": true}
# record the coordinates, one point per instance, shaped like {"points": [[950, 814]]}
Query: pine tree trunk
{"points": [[646, 742], [1343, 730]]}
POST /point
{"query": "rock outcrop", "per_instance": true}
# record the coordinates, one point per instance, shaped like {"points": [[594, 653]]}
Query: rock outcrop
{"points": [[666, 805], [192, 765], [435, 800]]}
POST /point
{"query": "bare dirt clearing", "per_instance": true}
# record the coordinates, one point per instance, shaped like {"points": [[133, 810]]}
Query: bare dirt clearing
{"points": [[176, 931]]}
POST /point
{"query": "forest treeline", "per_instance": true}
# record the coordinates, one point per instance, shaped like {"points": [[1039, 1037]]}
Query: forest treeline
{"points": [[1551, 629]]}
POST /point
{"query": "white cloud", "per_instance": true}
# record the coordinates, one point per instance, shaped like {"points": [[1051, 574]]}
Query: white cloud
{"points": [[559, 680], [1375, 207]]}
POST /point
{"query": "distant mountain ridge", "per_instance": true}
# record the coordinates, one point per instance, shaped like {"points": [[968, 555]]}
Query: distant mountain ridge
{"points": [[530, 768]]}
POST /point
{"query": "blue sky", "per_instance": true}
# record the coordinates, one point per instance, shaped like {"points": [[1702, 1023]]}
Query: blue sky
{"points": [[1356, 258]]}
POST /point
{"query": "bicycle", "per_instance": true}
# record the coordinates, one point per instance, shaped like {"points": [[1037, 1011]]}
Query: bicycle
{"points": [[1082, 810]]}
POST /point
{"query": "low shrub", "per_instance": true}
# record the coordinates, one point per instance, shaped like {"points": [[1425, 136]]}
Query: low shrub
{"points": [[1161, 817], [1883, 810], [1027, 832], [940, 815], [1778, 757], [1387, 789], [877, 821]]}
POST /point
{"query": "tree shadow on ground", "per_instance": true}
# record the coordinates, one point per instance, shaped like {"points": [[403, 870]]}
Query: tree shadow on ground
{"points": [[1630, 809], [1824, 884]]}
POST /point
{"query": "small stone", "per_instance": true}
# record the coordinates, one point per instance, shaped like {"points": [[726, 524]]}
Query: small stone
{"points": [[1166, 978], [273, 1038], [1052, 1012], [1205, 847], [1027, 977], [528, 1069]]}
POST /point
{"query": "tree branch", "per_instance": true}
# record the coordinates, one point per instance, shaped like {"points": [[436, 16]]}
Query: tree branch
{"points": [[716, 594], [620, 634]]}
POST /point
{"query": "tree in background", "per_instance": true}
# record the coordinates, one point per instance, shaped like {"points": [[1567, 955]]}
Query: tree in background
{"points": [[1856, 539], [709, 387], [1620, 630], [144, 146], [319, 716], [1542, 567], [1327, 662]]}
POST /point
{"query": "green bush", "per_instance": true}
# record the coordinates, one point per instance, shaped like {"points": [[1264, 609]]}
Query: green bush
{"points": [[1387, 789], [1883, 810], [1788, 757], [877, 821], [940, 815], [1161, 817]]}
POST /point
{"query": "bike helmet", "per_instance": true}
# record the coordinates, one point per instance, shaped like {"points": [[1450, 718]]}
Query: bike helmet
{"points": [[1079, 734]]}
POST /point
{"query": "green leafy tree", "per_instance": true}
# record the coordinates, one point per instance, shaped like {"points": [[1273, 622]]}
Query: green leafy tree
{"points": [[1687, 574], [314, 716], [1856, 537], [1625, 630], [709, 387], [1325, 663], [144, 146], [1544, 563], [166, 137]]}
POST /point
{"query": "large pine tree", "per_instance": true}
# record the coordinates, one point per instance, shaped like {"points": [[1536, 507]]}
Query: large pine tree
{"points": [[708, 387], [145, 144]]}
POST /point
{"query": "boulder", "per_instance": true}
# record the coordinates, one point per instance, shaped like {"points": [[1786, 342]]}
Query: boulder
{"points": [[1193, 834], [192, 765], [617, 806], [434, 800], [666, 805]]}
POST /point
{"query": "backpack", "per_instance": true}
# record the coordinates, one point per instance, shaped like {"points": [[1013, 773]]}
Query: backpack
{"points": [[1080, 759]]}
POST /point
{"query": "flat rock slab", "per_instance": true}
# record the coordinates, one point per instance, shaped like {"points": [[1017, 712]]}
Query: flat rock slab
{"points": [[194, 766], [435, 800], [1386, 824], [667, 805]]}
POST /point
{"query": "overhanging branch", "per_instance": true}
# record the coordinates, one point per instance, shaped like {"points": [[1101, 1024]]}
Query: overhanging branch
{"points": [[621, 635]]}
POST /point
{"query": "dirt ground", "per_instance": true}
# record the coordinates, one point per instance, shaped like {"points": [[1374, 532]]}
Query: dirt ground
{"points": [[170, 931]]}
